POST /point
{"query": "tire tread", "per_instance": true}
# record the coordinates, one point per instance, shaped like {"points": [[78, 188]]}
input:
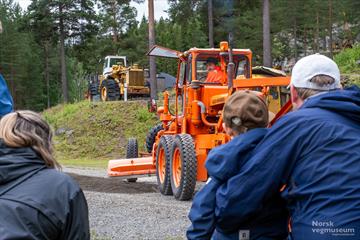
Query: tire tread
{"points": [[166, 141], [189, 167]]}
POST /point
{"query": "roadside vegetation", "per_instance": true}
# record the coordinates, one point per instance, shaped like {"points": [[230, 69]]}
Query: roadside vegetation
{"points": [[349, 64]]}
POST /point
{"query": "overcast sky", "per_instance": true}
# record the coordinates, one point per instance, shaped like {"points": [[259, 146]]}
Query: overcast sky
{"points": [[142, 9]]}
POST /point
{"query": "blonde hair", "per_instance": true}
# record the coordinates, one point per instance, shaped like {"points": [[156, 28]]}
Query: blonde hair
{"points": [[28, 129]]}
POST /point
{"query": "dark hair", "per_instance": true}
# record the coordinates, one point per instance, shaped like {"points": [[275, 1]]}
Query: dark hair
{"points": [[212, 60], [319, 80]]}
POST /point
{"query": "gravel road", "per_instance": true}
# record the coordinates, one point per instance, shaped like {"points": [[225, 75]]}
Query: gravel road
{"points": [[122, 210]]}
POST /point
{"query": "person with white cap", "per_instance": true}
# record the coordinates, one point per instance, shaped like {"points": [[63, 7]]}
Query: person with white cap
{"points": [[311, 155], [311, 75]]}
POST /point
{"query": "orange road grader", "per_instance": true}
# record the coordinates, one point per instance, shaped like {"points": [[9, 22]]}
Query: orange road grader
{"points": [[178, 147]]}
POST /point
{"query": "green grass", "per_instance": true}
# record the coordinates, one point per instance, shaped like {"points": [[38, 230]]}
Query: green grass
{"points": [[84, 162], [349, 68], [90, 134], [347, 60]]}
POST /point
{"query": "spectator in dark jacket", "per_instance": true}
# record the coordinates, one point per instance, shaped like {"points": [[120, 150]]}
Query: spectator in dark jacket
{"points": [[36, 200], [243, 112], [6, 101], [314, 151]]}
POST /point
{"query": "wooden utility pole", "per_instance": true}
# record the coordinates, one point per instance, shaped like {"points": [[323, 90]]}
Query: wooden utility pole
{"points": [[211, 23], [152, 63], [267, 62]]}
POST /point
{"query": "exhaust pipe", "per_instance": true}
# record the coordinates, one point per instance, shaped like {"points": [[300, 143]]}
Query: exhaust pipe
{"points": [[231, 65]]}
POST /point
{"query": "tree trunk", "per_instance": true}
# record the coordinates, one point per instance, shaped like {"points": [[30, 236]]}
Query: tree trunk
{"points": [[330, 28], [64, 82], [211, 23], [317, 31], [295, 40], [152, 62], [266, 34], [305, 41], [115, 30], [47, 80]]}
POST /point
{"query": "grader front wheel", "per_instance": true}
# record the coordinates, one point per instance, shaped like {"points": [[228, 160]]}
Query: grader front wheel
{"points": [[132, 152], [151, 136], [163, 156], [183, 167]]}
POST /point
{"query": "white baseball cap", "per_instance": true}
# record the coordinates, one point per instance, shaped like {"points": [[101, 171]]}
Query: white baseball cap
{"points": [[310, 66]]}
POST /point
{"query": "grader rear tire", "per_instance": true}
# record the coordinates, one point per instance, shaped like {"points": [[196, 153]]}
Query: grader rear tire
{"points": [[163, 156], [109, 90], [132, 152], [150, 138], [183, 167]]}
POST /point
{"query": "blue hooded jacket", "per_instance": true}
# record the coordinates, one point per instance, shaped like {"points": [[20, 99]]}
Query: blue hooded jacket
{"points": [[315, 151], [6, 101], [222, 163]]}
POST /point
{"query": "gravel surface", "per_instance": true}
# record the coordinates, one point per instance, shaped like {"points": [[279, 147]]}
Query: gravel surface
{"points": [[122, 210]]}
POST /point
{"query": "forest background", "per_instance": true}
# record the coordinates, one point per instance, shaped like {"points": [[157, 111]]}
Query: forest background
{"points": [[53, 41]]}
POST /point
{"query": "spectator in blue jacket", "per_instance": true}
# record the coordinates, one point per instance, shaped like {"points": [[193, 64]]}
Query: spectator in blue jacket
{"points": [[6, 101], [314, 151], [243, 112]]}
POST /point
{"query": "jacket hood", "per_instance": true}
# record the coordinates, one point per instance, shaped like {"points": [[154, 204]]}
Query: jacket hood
{"points": [[6, 101], [16, 163], [345, 102], [226, 160]]}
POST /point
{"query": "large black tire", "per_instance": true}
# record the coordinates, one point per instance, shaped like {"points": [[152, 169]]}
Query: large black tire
{"points": [[94, 91], [163, 157], [150, 138], [109, 90], [132, 152], [183, 166]]}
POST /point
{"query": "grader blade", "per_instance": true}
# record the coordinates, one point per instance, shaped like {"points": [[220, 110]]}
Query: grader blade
{"points": [[131, 167]]}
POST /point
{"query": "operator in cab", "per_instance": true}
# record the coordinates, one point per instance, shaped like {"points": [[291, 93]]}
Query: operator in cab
{"points": [[215, 74]]}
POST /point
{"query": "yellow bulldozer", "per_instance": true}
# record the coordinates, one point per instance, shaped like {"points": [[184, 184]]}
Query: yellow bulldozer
{"points": [[120, 82]]}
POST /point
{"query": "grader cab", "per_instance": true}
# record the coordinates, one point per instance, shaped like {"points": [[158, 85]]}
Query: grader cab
{"points": [[178, 147], [119, 81]]}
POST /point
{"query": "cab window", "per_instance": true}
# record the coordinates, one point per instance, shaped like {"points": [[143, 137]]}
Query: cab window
{"points": [[189, 69], [182, 73], [241, 65], [201, 72], [242, 68], [116, 61], [201, 66]]}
